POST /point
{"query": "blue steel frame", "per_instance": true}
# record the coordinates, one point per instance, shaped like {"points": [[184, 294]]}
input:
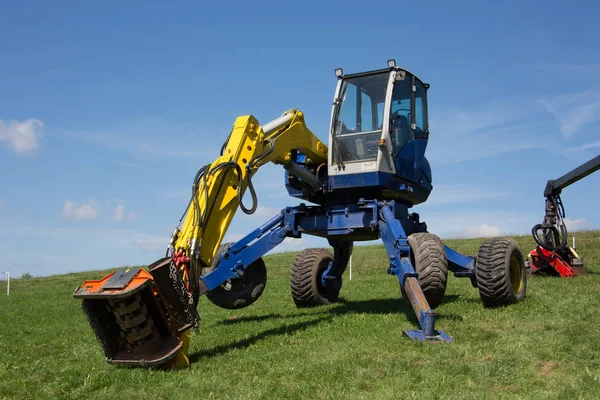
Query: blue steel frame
{"points": [[366, 220]]}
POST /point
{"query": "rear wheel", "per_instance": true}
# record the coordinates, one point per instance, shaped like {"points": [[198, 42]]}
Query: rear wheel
{"points": [[305, 282], [429, 260], [500, 272], [239, 292]]}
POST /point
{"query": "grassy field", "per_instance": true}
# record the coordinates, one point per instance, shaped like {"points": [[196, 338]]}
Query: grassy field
{"points": [[545, 347]]}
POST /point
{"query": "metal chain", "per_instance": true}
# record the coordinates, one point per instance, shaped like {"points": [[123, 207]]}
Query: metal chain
{"points": [[187, 299]]}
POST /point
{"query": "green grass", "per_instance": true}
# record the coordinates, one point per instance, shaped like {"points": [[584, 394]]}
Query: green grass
{"points": [[545, 347]]}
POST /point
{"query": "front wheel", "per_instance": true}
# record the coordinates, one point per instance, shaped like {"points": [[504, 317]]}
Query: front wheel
{"points": [[239, 292], [500, 272]]}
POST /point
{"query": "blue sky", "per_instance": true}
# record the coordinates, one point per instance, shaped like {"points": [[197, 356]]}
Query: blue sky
{"points": [[108, 109]]}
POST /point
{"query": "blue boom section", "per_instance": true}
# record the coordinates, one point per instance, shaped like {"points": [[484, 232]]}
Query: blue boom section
{"points": [[366, 220]]}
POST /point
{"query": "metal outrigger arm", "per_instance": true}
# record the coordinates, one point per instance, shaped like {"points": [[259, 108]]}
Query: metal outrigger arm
{"points": [[395, 241], [342, 222]]}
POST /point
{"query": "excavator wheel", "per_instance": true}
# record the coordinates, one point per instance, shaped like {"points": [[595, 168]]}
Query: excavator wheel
{"points": [[305, 282], [500, 272], [429, 260], [240, 292]]}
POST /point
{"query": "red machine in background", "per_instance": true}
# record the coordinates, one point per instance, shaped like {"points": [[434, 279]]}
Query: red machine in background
{"points": [[552, 253]]}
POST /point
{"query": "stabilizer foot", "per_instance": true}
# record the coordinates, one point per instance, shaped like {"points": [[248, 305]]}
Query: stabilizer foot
{"points": [[419, 335]]}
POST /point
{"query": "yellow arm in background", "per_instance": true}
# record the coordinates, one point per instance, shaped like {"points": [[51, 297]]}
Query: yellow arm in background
{"points": [[220, 186]]}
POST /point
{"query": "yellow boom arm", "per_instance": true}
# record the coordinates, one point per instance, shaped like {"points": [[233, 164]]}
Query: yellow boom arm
{"points": [[219, 187]]}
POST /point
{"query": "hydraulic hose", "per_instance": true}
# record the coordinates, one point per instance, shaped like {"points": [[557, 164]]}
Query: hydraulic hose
{"points": [[554, 236], [238, 171]]}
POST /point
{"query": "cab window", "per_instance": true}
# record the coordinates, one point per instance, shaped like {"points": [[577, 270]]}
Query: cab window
{"points": [[420, 108], [358, 125], [400, 114], [401, 118]]}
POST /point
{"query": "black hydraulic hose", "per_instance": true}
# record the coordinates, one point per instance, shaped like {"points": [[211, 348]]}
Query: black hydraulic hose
{"points": [[562, 234], [259, 157], [202, 172], [559, 238], [200, 220], [238, 170], [203, 217], [252, 209], [561, 223], [225, 143], [544, 229], [559, 241], [559, 206]]}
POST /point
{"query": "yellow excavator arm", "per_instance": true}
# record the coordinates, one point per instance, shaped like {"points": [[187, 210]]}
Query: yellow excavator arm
{"points": [[219, 187], [144, 317]]}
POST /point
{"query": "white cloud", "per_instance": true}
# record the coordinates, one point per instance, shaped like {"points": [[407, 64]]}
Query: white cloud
{"points": [[128, 164], [571, 71], [577, 224], [585, 146], [119, 214], [266, 212], [233, 237], [483, 230], [478, 223], [86, 211], [91, 210], [150, 246], [145, 147], [154, 137], [22, 136], [98, 239], [574, 111], [188, 152], [481, 132], [1, 203], [446, 194], [293, 244]]}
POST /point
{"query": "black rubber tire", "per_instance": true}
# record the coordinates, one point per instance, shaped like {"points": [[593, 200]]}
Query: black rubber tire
{"points": [[240, 292], [430, 262], [500, 272], [305, 280]]}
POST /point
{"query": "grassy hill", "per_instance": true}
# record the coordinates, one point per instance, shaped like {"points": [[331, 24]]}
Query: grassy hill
{"points": [[545, 347]]}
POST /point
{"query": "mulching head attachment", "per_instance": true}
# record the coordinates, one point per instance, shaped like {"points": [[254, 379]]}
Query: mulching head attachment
{"points": [[138, 315]]}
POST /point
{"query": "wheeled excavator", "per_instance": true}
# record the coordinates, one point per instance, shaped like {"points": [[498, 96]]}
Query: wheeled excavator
{"points": [[361, 187]]}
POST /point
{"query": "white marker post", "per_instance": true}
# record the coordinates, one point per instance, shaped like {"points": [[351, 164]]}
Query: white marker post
{"points": [[350, 266], [7, 283]]}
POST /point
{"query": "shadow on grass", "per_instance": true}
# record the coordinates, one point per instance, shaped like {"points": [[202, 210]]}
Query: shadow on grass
{"points": [[342, 307], [233, 320], [242, 344], [551, 274], [381, 306], [376, 306], [391, 306]]}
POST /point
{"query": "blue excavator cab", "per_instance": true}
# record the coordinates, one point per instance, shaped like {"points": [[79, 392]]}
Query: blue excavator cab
{"points": [[378, 137]]}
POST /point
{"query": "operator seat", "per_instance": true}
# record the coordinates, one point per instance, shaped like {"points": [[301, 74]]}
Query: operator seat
{"points": [[400, 134]]}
